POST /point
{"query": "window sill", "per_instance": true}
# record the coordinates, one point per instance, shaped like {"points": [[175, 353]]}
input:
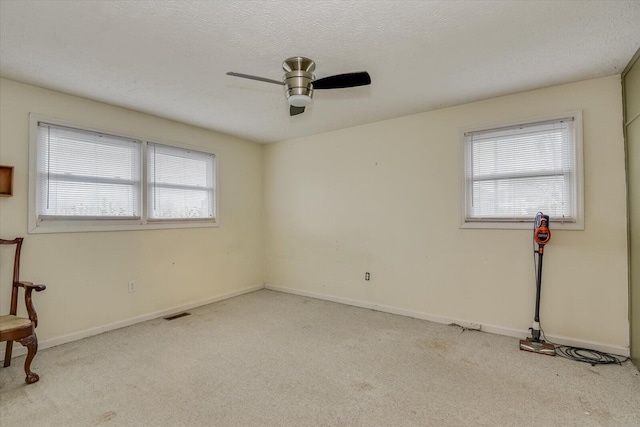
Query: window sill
{"points": [[84, 228], [522, 225]]}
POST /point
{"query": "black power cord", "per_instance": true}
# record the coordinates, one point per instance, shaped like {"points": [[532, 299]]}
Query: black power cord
{"points": [[586, 355], [578, 354]]}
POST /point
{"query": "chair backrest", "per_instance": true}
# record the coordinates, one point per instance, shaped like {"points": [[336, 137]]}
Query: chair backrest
{"points": [[16, 272]]}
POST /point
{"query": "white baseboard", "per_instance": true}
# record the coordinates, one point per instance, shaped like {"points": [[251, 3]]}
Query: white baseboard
{"points": [[19, 350], [499, 330]]}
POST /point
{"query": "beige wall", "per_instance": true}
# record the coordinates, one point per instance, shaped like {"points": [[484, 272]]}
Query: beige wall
{"points": [[382, 198], [86, 273], [385, 198]]}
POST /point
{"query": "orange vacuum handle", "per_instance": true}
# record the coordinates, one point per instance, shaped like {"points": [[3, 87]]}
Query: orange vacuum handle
{"points": [[542, 235]]}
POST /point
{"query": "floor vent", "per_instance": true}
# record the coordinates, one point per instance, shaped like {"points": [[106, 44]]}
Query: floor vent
{"points": [[177, 316]]}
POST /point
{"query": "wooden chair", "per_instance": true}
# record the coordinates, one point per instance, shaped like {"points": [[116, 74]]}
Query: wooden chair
{"points": [[21, 329]]}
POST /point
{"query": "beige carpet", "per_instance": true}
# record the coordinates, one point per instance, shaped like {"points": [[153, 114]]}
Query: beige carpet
{"points": [[272, 359]]}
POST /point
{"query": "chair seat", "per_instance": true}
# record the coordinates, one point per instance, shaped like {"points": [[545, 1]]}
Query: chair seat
{"points": [[10, 321]]}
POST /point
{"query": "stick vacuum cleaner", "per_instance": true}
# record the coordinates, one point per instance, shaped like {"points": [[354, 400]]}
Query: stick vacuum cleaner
{"points": [[541, 235]]}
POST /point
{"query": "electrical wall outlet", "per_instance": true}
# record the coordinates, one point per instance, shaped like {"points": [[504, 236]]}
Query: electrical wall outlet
{"points": [[367, 276], [132, 286]]}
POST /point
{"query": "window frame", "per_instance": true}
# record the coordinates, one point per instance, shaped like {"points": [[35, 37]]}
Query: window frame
{"points": [[465, 185], [36, 225]]}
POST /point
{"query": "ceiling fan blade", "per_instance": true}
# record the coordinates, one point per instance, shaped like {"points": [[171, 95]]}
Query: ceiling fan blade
{"points": [[294, 111], [340, 81], [250, 77]]}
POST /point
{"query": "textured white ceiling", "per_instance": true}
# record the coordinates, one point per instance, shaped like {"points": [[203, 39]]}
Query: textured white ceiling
{"points": [[169, 58]]}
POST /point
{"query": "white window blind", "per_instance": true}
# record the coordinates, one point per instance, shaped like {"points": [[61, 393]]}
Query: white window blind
{"points": [[514, 172], [86, 175], [180, 183]]}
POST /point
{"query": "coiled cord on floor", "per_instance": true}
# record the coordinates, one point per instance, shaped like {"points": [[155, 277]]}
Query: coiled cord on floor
{"points": [[594, 357], [586, 355]]}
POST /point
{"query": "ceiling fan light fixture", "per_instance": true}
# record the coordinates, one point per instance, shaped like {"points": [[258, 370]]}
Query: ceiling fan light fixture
{"points": [[299, 82], [299, 100]]}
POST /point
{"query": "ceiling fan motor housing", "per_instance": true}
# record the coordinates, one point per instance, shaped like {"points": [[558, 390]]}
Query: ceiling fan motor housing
{"points": [[298, 80]]}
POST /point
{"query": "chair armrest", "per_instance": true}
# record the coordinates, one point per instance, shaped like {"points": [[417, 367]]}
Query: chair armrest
{"points": [[29, 285], [29, 288]]}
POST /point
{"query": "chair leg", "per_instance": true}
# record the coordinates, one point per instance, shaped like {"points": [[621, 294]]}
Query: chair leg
{"points": [[7, 353], [31, 342]]}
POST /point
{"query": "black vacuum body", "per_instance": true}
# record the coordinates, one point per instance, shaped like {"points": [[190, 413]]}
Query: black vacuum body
{"points": [[541, 235]]}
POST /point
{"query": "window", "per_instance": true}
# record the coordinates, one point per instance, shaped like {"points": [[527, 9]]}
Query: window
{"points": [[180, 183], [86, 180], [87, 175], [513, 172]]}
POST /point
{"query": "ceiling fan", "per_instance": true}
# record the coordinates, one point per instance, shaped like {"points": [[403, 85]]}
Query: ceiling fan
{"points": [[299, 82]]}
